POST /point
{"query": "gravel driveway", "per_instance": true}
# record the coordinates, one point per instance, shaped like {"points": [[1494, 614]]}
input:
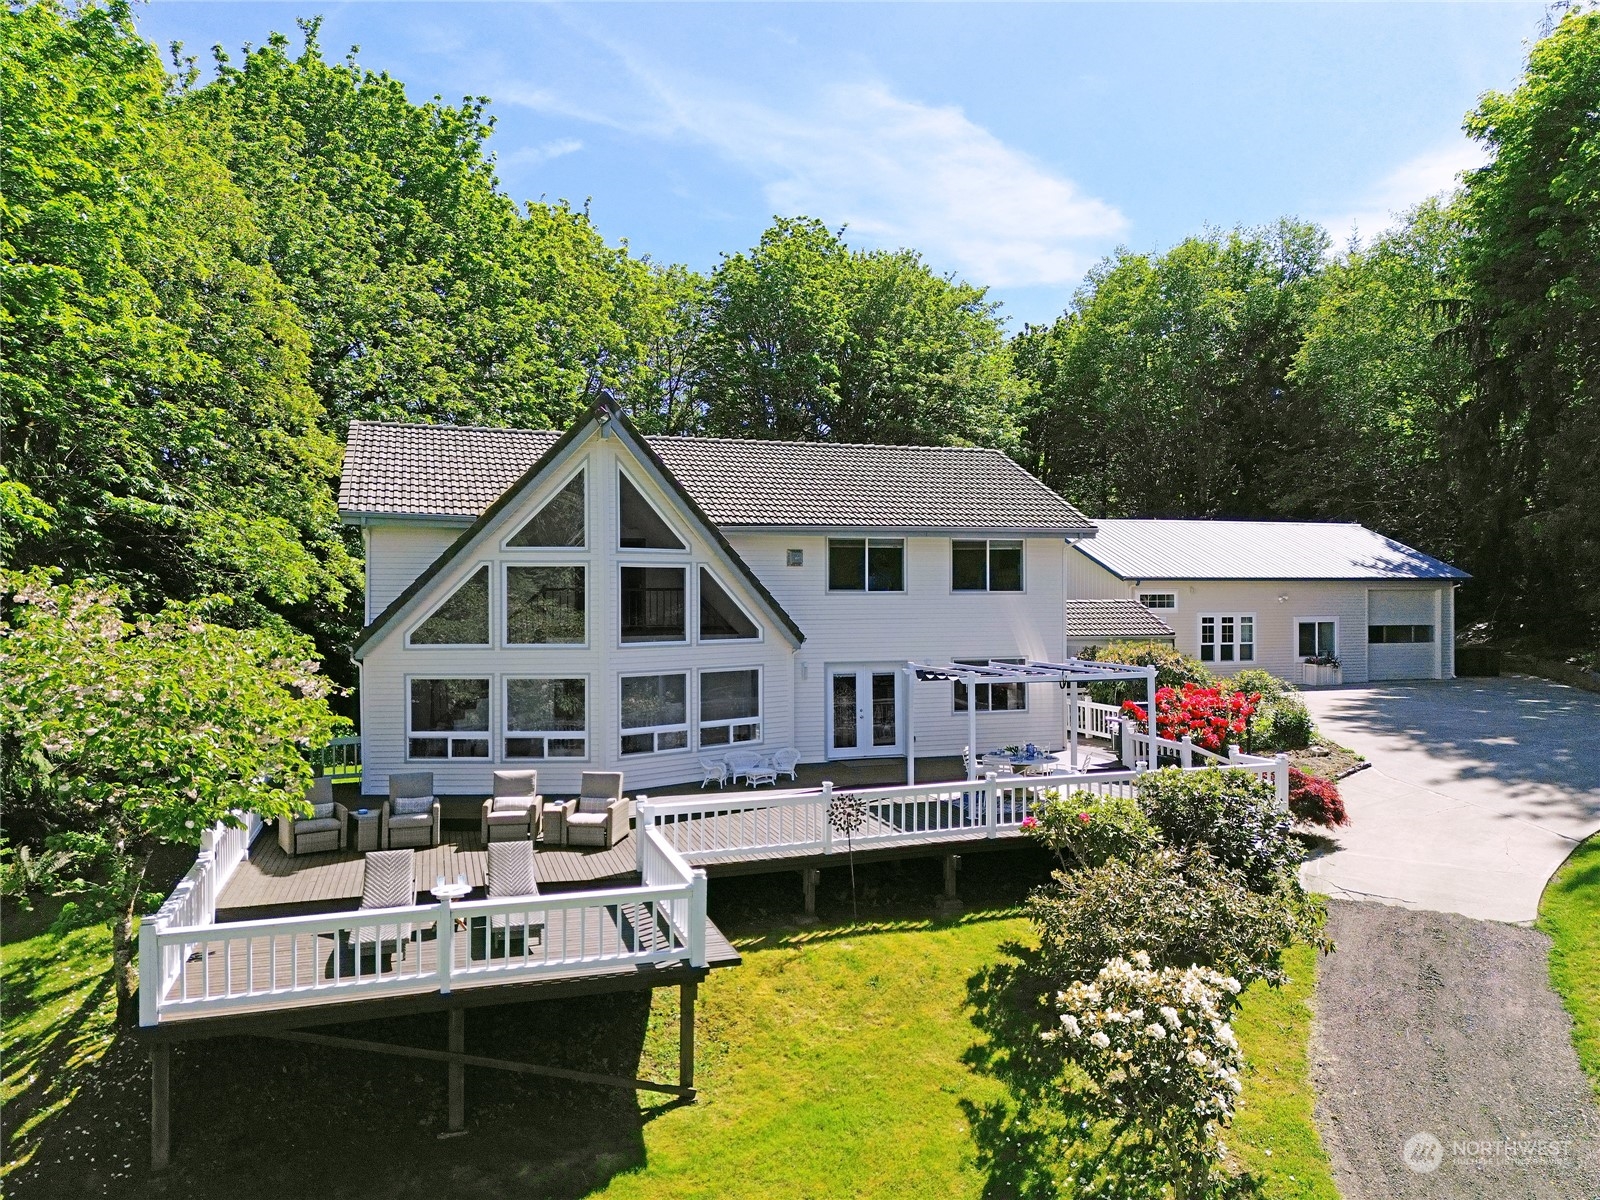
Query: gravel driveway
{"points": [[1438, 1037], [1478, 790]]}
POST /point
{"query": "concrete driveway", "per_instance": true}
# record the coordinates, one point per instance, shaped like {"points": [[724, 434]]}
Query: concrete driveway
{"points": [[1478, 790]]}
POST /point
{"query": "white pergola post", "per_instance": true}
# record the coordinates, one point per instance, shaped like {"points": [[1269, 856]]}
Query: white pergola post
{"points": [[911, 727], [1150, 711], [1072, 726], [972, 730]]}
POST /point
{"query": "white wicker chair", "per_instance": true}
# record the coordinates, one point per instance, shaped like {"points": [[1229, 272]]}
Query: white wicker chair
{"points": [[786, 762], [741, 763], [714, 770]]}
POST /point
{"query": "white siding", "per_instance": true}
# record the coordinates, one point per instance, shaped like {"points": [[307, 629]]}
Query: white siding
{"points": [[1088, 580], [389, 662], [397, 552], [928, 621], [1412, 605]]}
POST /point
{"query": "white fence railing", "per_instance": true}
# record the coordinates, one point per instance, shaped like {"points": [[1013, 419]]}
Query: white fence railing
{"points": [[199, 966], [1098, 720]]}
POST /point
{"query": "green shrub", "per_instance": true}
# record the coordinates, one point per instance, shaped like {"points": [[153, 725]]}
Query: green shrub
{"points": [[1254, 679], [1085, 829], [1234, 814], [1284, 724], [1181, 907], [1173, 669]]}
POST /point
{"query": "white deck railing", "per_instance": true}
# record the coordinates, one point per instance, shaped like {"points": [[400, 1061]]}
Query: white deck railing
{"points": [[189, 964], [1098, 720]]}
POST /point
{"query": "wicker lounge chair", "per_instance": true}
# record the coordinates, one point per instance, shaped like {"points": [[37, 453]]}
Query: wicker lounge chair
{"points": [[510, 875], [599, 816], [513, 812], [388, 881], [713, 770], [411, 814], [325, 829]]}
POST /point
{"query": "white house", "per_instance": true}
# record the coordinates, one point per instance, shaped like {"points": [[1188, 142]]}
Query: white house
{"points": [[1274, 594], [599, 599]]}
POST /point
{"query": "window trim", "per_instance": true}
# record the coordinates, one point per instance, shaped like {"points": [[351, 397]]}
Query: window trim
{"points": [[1161, 608], [866, 588], [1338, 638], [485, 735], [958, 688], [448, 596], [505, 642], [619, 548], [690, 705], [505, 546], [1237, 618], [690, 607], [506, 733], [988, 567], [759, 720], [761, 630]]}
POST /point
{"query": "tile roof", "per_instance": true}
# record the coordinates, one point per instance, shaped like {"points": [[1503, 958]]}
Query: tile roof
{"points": [[1139, 549], [1114, 619], [458, 471]]}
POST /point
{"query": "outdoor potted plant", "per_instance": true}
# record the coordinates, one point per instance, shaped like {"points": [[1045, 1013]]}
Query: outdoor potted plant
{"points": [[1321, 670]]}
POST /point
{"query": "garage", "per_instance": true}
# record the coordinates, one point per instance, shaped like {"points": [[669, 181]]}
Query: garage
{"points": [[1403, 633]]}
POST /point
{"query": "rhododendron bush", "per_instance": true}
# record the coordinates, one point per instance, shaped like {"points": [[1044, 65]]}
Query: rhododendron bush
{"points": [[1210, 716]]}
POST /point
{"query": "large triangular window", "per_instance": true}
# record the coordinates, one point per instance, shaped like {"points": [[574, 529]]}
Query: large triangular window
{"points": [[559, 522], [639, 525], [462, 620], [721, 618]]}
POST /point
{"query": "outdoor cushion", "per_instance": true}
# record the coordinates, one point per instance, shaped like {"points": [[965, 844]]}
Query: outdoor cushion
{"points": [[410, 820], [596, 819], [321, 811], [512, 804], [595, 804], [316, 825], [407, 806]]}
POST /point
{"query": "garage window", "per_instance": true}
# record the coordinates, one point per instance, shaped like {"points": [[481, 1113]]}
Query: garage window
{"points": [[1399, 635]]}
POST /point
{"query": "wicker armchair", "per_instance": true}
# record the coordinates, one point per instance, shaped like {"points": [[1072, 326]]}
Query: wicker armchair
{"points": [[599, 816], [514, 811], [325, 829], [410, 816], [388, 881]]}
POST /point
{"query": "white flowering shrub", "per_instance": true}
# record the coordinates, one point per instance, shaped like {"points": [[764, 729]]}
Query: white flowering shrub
{"points": [[1161, 1060]]}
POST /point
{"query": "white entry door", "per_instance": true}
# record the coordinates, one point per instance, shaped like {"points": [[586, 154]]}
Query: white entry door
{"points": [[863, 712]]}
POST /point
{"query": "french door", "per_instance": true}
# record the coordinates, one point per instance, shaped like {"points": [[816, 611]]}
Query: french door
{"points": [[863, 712]]}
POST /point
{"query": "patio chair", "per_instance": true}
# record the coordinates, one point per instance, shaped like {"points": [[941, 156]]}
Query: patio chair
{"points": [[599, 816], [966, 760], [410, 816], [741, 763], [511, 874], [785, 762], [714, 770], [326, 827], [514, 811], [388, 880]]}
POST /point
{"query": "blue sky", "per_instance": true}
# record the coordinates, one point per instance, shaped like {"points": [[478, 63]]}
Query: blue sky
{"points": [[1012, 144]]}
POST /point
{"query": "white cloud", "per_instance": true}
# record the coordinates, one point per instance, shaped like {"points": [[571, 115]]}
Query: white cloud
{"points": [[1430, 173], [544, 152], [896, 171]]}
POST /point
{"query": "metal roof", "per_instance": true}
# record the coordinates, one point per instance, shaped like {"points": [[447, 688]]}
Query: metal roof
{"points": [[1114, 619], [456, 471], [1201, 550]]}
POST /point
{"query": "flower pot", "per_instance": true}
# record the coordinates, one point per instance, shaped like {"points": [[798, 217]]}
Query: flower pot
{"points": [[1320, 675]]}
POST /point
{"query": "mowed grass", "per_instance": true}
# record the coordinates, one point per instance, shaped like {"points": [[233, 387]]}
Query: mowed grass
{"points": [[835, 1069], [1569, 912]]}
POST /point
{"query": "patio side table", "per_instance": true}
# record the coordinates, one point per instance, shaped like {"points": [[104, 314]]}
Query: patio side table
{"points": [[366, 823]]}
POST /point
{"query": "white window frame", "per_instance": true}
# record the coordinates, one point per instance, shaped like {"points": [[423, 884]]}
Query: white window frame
{"points": [[958, 688], [866, 588], [761, 630], [691, 611], [451, 736], [588, 519], [759, 720], [561, 735], [644, 494], [448, 596], [504, 628], [1338, 638], [1238, 619], [690, 702], [1146, 597], [988, 567]]}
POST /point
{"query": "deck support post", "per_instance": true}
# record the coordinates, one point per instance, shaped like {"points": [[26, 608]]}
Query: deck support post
{"points": [[160, 1106], [458, 1071], [687, 992], [809, 878], [949, 904]]}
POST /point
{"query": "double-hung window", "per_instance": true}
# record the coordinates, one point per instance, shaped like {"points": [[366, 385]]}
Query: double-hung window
{"points": [[1228, 637], [866, 565], [730, 707], [991, 697], [545, 718], [448, 718], [655, 713], [986, 566]]}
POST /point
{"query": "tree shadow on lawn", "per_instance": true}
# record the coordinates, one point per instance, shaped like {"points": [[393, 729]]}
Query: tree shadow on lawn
{"points": [[253, 1117]]}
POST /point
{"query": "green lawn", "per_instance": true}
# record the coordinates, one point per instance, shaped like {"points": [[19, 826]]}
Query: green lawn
{"points": [[1569, 912]]}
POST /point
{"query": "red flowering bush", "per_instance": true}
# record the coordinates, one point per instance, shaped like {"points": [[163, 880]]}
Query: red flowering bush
{"points": [[1316, 801], [1212, 717]]}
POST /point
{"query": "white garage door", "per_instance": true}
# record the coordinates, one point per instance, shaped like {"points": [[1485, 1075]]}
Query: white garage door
{"points": [[1402, 639]]}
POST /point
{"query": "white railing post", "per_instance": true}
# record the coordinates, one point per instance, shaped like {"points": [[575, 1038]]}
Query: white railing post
{"points": [[1186, 755], [697, 919], [641, 822], [1233, 753], [1280, 779], [150, 980], [827, 825], [446, 943], [1129, 754], [991, 805]]}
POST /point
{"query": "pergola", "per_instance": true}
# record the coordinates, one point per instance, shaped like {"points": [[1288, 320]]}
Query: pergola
{"points": [[1069, 674]]}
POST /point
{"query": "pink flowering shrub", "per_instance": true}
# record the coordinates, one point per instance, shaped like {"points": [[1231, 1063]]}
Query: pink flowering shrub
{"points": [[1210, 716]]}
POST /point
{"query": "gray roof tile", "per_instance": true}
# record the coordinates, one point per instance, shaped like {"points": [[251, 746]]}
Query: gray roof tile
{"points": [[458, 471], [1113, 619]]}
